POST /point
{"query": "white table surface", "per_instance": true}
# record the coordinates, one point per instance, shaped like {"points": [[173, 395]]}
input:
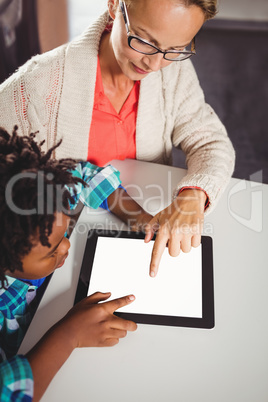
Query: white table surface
{"points": [[158, 363]]}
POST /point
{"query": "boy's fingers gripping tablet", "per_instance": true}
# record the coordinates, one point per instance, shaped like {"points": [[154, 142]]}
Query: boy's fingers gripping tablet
{"points": [[118, 333], [123, 324], [98, 297], [120, 302]]}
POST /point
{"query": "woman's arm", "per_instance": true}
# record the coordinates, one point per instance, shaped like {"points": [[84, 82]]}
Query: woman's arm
{"points": [[198, 131], [210, 160]]}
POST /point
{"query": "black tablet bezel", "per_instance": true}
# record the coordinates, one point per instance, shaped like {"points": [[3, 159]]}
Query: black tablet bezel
{"points": [[207, 321]]}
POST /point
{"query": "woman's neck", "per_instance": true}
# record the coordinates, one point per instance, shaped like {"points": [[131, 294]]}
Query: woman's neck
{"points": [[115, 84], [112, 75]]}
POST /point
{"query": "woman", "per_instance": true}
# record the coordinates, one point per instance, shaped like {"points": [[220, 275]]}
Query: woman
{"points": [[127, 89]]}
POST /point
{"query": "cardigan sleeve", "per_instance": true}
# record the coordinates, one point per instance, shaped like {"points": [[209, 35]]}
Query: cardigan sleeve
{"points": [[30, 97], [202, 137]]}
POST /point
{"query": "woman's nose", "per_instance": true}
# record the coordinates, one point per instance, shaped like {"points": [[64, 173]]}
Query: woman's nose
{"points": [[154, 61]]}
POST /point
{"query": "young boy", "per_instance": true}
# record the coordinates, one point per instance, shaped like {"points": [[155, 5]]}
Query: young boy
{"points": [[37, 194]]}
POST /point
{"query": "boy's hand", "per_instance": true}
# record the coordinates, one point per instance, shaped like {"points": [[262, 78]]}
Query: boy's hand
{"points": [[179, 226], [93, 324], [87, 324]]}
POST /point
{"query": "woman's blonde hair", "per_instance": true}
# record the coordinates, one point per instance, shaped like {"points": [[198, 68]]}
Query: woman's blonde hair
{"points": [[209, 7]]}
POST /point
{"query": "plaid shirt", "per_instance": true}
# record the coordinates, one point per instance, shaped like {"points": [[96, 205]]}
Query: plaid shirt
{"points": [[16, 380]]}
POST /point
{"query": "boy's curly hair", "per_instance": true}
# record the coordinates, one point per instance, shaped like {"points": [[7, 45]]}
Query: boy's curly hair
{"points": [[23, 166]]}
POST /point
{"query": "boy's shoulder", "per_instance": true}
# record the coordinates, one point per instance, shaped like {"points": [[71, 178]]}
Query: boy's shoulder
{"points": [[15, 315], [14, 296], [12, 283]]}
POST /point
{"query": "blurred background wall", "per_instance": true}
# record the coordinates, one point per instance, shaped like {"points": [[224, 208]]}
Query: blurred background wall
{"points": [[53, 23], [29, 27], [81, 12]]}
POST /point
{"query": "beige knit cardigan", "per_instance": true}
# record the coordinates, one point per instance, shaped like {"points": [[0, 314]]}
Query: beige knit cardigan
{"points": [[53, 93]]}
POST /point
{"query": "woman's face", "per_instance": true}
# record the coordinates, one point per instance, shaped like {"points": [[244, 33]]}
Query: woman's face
{"points": [[164, 23]]}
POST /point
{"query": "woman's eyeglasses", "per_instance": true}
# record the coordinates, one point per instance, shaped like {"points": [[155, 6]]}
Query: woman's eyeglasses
{"points": [[145, 47]]}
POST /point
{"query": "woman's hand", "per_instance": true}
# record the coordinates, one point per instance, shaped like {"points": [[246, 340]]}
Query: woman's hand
{"points": [[178, 226], [92, 324]]}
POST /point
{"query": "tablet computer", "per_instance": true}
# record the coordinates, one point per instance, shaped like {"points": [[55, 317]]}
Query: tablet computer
{"points": [[181, 294]]}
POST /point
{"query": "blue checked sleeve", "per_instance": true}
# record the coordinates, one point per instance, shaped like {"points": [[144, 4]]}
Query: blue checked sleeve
{"points": [[101, 183], [104, 204], [16, 380]]}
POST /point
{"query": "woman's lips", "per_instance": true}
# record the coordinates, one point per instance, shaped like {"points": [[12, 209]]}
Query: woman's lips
{"points": [[63, 261], [139, 70]]}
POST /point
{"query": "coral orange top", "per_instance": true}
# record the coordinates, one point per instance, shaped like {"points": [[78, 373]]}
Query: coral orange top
{"points": [[112, 135]]}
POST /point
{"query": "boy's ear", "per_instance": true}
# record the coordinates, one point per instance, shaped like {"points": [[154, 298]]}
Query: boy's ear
{"points": [[112, 6]]}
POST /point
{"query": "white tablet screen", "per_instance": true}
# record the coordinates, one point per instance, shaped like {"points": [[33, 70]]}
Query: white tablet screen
{"points": [[121, 266]]}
